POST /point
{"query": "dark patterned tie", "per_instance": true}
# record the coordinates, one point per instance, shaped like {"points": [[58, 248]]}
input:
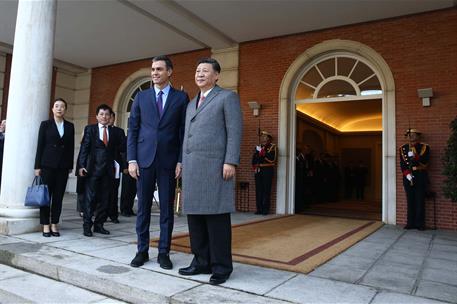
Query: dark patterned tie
{"points": [[160, 103]]}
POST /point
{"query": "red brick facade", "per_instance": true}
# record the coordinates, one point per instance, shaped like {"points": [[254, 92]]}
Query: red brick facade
{"points": [[421, 51]]}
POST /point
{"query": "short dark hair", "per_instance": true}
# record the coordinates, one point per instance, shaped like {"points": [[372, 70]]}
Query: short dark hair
{"points": [[113, 114], [62, 100], [216, 66], [167, 60], [103, 107]]}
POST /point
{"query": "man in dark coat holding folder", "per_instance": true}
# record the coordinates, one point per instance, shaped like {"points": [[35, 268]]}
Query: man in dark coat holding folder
{"points": [[99, 149]]}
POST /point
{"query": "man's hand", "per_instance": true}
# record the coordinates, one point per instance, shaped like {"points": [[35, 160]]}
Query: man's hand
{"points": [[134, 171], [82, 172], [228, 172], [178, 170], [37, 172]]}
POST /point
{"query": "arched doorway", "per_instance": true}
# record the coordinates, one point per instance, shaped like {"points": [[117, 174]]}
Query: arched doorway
{"points": [[338, 102], [296, 90]]}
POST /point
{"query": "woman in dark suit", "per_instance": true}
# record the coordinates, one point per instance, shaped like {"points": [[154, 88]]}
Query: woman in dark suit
{"points": [[53, 162]]}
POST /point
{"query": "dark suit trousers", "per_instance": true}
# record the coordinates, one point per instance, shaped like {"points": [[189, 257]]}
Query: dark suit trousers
{"points": [[98, 189], [415, 196], [263, 182], [128, 193], [56, 179], [113, 210], [166, 183], [211, 242]]}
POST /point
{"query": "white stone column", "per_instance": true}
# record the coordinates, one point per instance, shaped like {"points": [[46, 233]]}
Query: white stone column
{"points": [[28, 105]]}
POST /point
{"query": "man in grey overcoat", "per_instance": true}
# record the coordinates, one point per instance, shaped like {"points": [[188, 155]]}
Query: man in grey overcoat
{"points": [[211, 153]]}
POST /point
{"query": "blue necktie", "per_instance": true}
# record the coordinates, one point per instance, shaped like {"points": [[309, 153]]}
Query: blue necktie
{"points": [[160, 103]]}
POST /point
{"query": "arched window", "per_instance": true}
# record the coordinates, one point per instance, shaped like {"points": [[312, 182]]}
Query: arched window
{"points": [[146, 84], [338, 77]]}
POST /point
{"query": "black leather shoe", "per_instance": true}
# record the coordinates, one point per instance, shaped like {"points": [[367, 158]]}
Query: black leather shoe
{"points": [[193, 270], [407, 227], [421, 228], [55, 233], [101, 230], [115, 221], [47, 234], [87, 232], [139, 259], [126, 214], [164, 261], [217, 279]]}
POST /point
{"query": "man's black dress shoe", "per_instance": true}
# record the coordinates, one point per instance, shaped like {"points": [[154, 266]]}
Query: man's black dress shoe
{"points": [[101, 230], [139, 259], [193, 270], [87, 232], [115, 221], [47, 234], [217, 279], [126, 214], [164, 261]]}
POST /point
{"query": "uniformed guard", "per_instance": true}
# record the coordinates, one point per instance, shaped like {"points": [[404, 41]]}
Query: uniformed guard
{"points": [[263, 163], [414, 158]]}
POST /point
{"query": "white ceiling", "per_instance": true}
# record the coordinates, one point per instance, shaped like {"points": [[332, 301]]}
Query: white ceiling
{"points": [[102, 32]]}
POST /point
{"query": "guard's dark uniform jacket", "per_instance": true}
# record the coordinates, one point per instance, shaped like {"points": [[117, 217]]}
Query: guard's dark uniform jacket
{"points": [[415, 165], [263, 163]]}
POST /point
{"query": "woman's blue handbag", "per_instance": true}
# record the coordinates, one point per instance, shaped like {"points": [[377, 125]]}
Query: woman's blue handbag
{"points": [[37, 194]]}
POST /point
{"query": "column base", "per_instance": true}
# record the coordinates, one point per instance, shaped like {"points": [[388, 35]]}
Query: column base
{"points": [[13, 226]]}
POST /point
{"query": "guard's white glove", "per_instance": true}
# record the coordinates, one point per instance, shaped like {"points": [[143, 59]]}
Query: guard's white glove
{"points": [[258, 148], [410, 154], [409, 177]]}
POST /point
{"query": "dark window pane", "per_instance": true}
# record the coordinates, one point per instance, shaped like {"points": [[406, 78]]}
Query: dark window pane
{"points": [[336, 88], [303, 92], [345, 65], [327, 67], [312, 77], [361, 72]]}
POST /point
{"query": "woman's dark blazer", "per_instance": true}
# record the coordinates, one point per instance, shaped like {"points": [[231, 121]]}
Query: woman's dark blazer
{"points": [[52, 151]]}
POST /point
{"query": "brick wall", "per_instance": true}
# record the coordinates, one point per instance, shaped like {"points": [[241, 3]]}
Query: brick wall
{"points": [[107, 80], [421, 51]]}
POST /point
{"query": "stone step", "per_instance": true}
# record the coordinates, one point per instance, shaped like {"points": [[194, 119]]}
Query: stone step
{"points": [[18, 286], [115, 280]]}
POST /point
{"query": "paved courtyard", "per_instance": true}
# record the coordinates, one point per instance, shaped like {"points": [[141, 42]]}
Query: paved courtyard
{"points": [[390, 266]]}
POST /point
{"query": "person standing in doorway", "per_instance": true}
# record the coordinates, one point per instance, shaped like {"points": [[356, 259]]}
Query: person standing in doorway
{"points": [[414, 158], [154, 152], [263, 162], [211, 153], [53, 162]]}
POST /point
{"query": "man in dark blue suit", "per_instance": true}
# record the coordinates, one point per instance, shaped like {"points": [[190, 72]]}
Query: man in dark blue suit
{"points": [[154, 142]]}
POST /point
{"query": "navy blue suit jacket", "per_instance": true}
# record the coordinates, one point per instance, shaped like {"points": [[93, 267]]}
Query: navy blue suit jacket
{"points": [[154, 138]]}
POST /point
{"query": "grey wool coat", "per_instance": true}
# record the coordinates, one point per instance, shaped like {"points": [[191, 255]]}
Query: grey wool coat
{"points": [[212, 137]]}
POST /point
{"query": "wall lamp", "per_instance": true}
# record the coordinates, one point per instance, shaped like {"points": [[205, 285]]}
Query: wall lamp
{"points": [[425, 94], [255, 106]]}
